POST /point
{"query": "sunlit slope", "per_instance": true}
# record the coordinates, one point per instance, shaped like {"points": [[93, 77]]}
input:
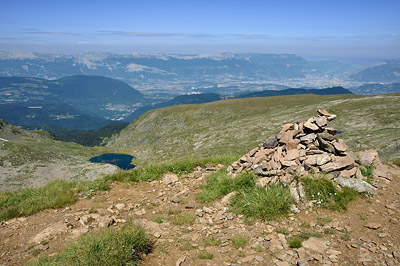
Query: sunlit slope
{"points": [[235, 126], [35, 158]]}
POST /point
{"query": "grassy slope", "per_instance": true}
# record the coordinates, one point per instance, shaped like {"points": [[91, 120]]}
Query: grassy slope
{"points": [[33, 158], [235, 126]]}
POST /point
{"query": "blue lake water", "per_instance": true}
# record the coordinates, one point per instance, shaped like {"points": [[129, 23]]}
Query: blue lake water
{"points": [[123, 161]]}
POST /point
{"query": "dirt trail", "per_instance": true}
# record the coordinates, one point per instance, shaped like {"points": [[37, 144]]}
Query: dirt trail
{"points": [[168, 210]]}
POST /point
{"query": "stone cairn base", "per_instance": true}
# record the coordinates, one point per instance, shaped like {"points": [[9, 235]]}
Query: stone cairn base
{"points": [[308, 148]]}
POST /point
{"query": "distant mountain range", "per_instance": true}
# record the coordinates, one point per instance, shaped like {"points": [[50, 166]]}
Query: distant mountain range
{"points": [[294, 91], [78, 102], [182, 99], [212, 97], [70, 105], [387, 71], [377, 88], [138, 68]]}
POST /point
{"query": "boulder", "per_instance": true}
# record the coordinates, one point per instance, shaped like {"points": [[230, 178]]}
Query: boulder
{"points": [[286, 127], [338, 163], [227, 198], [287, 136], [325, 113], [271, 143], [348, 173], [311, 160], [292, 144], [367, 157], [309, 124], [322, 159], [321, 121], [325, 145], [356, 184], [314, 244], [340, 146], [169, 179], [330, 130], [327, 136], [50, 231], [292, 154], [381, 170]]}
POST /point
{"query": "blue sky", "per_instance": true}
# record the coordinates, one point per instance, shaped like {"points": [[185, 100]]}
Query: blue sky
{"points": [[323, 28]]}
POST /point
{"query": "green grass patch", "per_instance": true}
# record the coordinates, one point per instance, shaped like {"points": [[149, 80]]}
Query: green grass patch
{"points": [[184, 219], [159, 219], [211, 242], [56, 194], [219, 184], [368, 172], [329, 231], [155, 171], [266, 204], [239, 241], [307, 235], [323, 192], [346, 235], [305, 224], [174, 211], [186, 246], [282, 230], [109, 247], [269, 203], [397, 162], [204, 255], [321, 221], [295, 242]]}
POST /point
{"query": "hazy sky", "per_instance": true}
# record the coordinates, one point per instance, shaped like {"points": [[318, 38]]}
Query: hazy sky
{"points": [[320, 28]]}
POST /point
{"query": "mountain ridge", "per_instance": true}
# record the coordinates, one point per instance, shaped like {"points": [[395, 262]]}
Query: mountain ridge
{"points": [[92, 101]]}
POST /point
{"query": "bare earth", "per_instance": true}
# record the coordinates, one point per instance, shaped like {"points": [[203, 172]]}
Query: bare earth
{"points": [[373, 236]]}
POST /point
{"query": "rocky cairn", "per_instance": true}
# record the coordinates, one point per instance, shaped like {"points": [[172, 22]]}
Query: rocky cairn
{"points": [[304, 149]]}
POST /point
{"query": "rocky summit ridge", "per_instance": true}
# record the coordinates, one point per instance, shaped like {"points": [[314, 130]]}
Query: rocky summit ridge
{"points": [[309, 148]]}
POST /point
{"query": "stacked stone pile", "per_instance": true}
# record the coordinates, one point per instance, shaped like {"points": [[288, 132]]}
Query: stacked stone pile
{"points": [[302, 148]]}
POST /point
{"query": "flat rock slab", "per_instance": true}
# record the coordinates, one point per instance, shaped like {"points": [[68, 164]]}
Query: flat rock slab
{"points": [[180, 261], [314, 244], [356, 184], [169, 179], [310, 124], [292, 154], [367, 157], [340, 146], [338, 163], [52, 230], [373, 226]]}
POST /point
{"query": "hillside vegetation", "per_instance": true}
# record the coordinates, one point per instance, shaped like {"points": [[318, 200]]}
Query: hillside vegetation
{"points": [[35, 158], [236, 126]]}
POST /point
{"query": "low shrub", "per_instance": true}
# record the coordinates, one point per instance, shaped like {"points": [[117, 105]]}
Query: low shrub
{"points": [[295, 242], [155, 171], [204, 255], [323, 192], [239, 241], [219, 184], [56, 194], [109, 247], [269, 203]]}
